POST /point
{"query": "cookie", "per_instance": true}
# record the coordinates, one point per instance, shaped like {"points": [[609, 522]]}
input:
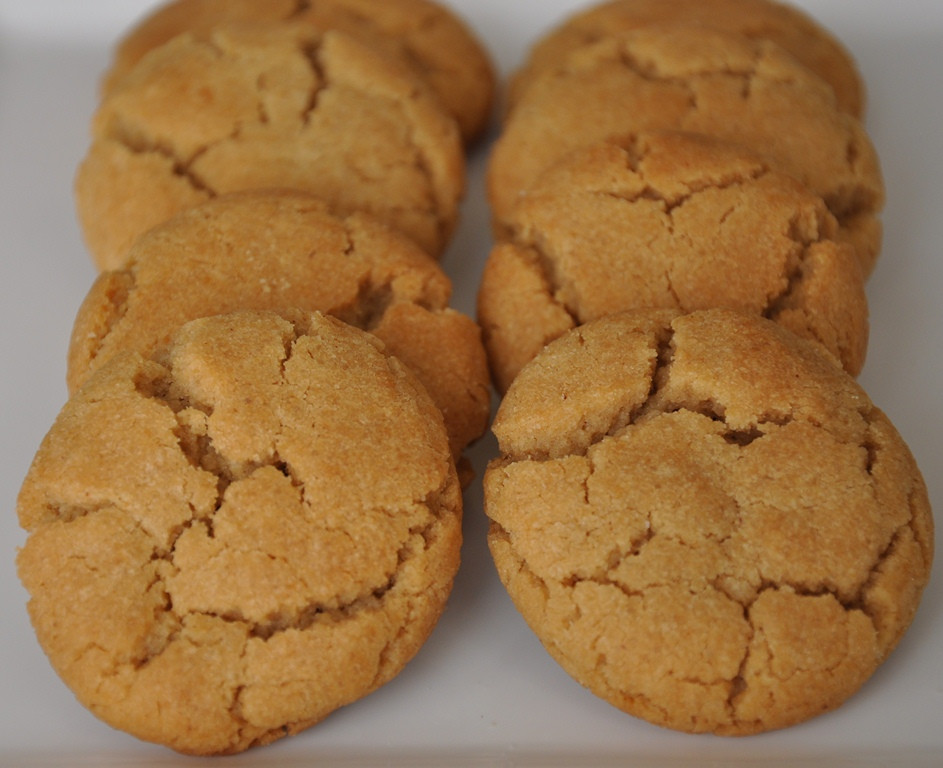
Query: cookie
{"points": [[425, 36], [698, 80], [280, 250], [668, 220], [268, 106], [787, 26], [233, 538], [704, 520]]}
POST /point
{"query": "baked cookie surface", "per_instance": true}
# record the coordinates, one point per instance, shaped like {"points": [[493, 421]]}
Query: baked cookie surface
{"points": [[268, 106], [706, 521], [425, 36], [786, 25], [274, 250], [231, 539], [702, 81], [668, 220]]}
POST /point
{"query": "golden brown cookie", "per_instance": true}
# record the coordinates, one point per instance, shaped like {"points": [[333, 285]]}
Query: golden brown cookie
{"points": [[675, 221], [786, 25], [706, 521], [268, 106], [425, 36], [235, 537], [281, 250], [698, 80]]}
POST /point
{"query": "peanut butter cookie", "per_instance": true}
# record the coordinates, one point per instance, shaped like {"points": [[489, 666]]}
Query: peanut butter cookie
{"points": [[706, 521], [699, 80], [425, 36], [668, 220], [283, 250], [786, 25], [232, 538], [268, 106]]}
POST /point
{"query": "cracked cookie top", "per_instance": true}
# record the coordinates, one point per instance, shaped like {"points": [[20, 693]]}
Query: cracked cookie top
{"points": [[425, 36], [283, 250], [232, 538], [280, 105], [670, 220], [699, 80], [786, 25], [706, 521]]}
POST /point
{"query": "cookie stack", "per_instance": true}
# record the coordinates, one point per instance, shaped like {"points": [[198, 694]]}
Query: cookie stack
{"points": [[358, 104], [696, 508], [248, 514]]}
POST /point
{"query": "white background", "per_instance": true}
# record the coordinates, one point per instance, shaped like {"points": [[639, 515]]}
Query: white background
{"points": [[482, 691]]}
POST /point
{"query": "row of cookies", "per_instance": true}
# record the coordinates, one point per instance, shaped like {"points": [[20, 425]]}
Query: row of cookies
{"points": [[248, 513], [735, 176], [696, 508]]}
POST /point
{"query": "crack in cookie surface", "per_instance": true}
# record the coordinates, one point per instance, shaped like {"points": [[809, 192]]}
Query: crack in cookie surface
{"points": [[551, 252], [180, 166]]}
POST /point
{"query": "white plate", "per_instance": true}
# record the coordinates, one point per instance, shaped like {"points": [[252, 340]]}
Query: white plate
{"points": [[482, 691]]}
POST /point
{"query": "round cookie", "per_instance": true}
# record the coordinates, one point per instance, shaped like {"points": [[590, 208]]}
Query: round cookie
{"points": [[706, 521], [268, 106], [668, 220], [280, 250], [787, 26], [233, 538], [686, 78], [425, 36]]}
